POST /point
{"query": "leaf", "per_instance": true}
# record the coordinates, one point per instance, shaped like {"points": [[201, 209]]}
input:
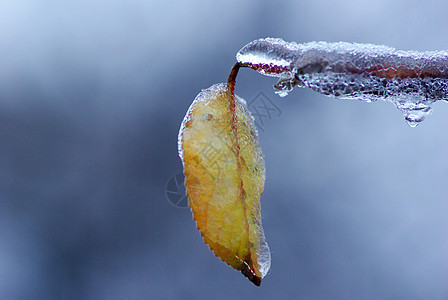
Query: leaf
{"points": [[224, 176]]}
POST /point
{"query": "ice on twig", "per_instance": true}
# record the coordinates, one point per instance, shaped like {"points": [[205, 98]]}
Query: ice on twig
{"points": [[412, 80]]}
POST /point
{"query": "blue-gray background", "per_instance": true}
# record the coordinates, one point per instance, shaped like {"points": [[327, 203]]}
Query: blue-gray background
{"points": [[92, 94]]}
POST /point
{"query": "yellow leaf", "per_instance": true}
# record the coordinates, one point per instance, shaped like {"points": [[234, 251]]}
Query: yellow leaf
{"points": [[224, 177]]}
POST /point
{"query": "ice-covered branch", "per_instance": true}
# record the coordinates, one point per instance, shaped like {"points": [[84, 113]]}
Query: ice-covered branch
{"points": [[412, 80]]}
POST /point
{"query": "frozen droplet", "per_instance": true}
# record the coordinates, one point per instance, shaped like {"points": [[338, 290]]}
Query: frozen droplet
{"points": [[414, 113], [284, 86], [411, 122], [410, 79], [264, 257]]}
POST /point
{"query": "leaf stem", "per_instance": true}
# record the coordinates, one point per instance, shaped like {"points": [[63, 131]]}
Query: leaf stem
{"points": [[232, 78]]}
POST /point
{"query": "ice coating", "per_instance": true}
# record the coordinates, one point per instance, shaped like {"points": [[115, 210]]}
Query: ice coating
{"points": [[224, 178], [412, 80]]}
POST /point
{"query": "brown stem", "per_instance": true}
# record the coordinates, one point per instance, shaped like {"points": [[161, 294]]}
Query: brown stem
{"points": [[232, 77]]}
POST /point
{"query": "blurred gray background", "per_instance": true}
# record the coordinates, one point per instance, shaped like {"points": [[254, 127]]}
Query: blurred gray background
{"points": [[92, 94]]}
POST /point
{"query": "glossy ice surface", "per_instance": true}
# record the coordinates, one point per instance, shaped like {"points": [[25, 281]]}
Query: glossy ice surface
{"points": [[412, 80]]}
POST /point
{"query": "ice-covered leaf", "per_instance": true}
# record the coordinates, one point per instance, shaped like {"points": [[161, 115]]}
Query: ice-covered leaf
{"points": [[412, 80], [224, 177]]}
